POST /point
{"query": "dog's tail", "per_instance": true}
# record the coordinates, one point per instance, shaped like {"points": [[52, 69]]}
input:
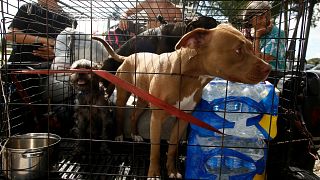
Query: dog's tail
{"points": [[116, 56]]}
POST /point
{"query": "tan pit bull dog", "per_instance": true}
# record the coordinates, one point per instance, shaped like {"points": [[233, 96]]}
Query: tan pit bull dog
{"points": [[179, 77]]}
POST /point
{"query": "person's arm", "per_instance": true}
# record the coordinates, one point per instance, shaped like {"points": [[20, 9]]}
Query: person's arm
{"points": [[258, 34], [46, 51], [17, 36]]}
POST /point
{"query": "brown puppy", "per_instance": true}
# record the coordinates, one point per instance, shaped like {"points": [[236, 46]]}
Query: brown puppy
{"points": [[179, 77], [92, 116]]}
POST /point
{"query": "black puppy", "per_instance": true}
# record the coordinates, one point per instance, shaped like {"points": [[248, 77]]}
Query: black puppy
{"points": [[92, 116], [157, 40]]}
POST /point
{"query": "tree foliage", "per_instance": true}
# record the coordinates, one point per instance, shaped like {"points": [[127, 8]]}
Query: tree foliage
{"points": [[316, 15], [314, 61], [233, 10]]}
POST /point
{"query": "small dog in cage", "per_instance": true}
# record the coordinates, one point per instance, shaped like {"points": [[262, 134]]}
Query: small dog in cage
{"points": [[92, 115], [71, 45], [179, 77]]}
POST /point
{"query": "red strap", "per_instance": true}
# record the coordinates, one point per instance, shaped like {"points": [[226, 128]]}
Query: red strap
{"points": [[117, 40], [23, 94], [109, 39], [137, 91]]}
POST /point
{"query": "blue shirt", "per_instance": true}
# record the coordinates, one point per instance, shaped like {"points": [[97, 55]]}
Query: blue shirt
{"points": [[273, 43]]}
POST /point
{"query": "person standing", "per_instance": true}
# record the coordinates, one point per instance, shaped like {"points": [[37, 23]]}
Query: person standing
{"points": [[269, 40], [33, 32], [34, 29]]}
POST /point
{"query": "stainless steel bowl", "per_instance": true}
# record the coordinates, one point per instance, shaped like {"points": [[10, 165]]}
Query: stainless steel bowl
{"points": [[29, 156]]}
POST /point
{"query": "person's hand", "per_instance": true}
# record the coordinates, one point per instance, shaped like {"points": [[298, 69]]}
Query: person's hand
{"points": [[45, 52], [48, 42], [247, 34], [262, 31], [51, 42]]}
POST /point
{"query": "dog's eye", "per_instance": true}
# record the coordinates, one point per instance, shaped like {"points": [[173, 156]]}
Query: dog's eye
{"points": [[238, 51]]}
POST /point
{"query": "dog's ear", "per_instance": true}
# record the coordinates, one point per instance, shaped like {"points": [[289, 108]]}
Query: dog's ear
{"points": [[194, 39]]}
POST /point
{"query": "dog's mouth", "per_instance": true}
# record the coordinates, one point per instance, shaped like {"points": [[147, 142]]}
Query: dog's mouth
{"points": [[254, 78], [250, 78], [257, 75]]}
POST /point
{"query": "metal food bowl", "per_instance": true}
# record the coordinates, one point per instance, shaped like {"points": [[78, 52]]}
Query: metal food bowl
{"points": [[29, 156]]}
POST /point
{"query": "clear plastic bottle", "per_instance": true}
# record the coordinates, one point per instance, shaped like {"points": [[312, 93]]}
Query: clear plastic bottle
{"points": [[223, 162], [236, 110], [232, 108]]}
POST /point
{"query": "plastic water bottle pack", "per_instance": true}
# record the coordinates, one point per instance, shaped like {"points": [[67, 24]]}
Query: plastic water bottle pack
{"points": [[247, 115]]}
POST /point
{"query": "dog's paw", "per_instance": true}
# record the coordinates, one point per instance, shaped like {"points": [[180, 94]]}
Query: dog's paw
{"points": [[137, 138], [154, 172], [119, 138], [172, 171], [175, 176]]}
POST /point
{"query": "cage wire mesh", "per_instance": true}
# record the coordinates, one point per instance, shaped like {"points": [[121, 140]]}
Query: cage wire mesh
{"points": [[41, 103]]}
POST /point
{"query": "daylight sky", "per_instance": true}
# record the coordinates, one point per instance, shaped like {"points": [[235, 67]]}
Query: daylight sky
{"points": [[313, 50]]}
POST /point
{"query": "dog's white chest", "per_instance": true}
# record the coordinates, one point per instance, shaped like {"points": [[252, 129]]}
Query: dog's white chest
{"points": [[187, 103]]}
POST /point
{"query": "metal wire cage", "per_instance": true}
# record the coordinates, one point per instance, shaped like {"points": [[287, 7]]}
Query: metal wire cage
{"points": [[47, 103]]}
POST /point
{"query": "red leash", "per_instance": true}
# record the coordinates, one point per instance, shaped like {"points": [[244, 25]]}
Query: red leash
{"points": [[135, 90]]}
